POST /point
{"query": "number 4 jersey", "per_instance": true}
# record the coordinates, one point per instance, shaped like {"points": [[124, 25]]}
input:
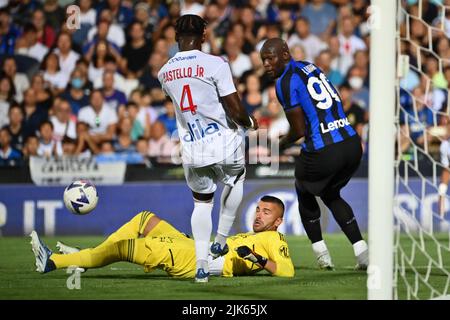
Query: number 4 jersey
{"points": [[303, 85], [196, 81]]}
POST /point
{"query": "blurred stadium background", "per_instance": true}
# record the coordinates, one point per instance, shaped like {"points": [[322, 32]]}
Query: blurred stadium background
{"points": [[59, 63]]}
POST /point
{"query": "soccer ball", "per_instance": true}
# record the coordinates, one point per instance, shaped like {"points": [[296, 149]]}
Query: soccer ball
{"points": [[81, 197]]}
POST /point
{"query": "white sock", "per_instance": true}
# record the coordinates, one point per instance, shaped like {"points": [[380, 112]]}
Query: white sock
{"points": [[229, 203], [359, 247], [319, 247], [201, 224]]}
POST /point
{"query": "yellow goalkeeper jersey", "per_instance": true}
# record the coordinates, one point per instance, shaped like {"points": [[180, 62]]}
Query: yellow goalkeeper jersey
{"points": [[170, 250], [269, 244]]}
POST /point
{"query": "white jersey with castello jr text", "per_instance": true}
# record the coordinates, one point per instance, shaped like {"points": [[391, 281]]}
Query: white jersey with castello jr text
{"points": [[195, 81]]}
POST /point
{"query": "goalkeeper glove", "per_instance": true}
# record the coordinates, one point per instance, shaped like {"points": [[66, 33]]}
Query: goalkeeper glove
{"points": [[248, 254]]}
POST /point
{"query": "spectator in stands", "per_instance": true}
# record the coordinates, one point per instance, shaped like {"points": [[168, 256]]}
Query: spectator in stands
{"points": [[54, 14], [106, 152], [225, 10], [355, 79], [247, 19], [114, 98], [7, 93], [169, 19], [168, 118], [120, 14], [137, 130], [312, 44], [279, 125], [123, 143], [286, 20], [433, 72], [67, 57], [88, 16], [47, 146], [101, 119], [45, 34], [86, 146], [115, 33], [323, 61], [142, 147], [424, 119], [101, 35], [69, 147], [355, 114], [322, 16], [160, 144], [148, 17], [136, 51], [34, 116], [267, 31], [170, 36], [9, 156], [101, 53], [15, 127], [361, 59], [443, 50], [162, 47], [216, 26], [238, 30], [8, 33], [76, 92], [298, 52], [149, 78], [28, 45], [31, 147], [64, 125], [239, 62], [252, 97], [20, 80], [349, 44], [120, 83], [44, 97], [54, 77]]}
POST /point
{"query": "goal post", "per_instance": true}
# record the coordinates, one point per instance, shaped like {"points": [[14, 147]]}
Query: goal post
{"points": [[381, 151]]}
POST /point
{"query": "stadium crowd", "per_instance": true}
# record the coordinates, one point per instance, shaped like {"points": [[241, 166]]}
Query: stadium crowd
{"points": [[85, 84]]}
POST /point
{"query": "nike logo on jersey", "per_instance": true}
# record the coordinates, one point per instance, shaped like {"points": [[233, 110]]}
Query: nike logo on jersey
{"points": [[197, 132], [331, 126]]}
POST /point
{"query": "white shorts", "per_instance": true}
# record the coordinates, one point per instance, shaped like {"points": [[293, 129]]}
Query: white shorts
{"points": [[203, 180]]}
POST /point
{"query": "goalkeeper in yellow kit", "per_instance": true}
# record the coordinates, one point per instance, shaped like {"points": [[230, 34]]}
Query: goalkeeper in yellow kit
{"points": [[155, 244]]}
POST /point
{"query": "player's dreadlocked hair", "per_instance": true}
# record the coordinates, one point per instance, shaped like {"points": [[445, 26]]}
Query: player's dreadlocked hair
{"points": [[190, 24]]}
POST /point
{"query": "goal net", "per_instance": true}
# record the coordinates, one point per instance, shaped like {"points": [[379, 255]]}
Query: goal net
{"points": [[421, 203]]}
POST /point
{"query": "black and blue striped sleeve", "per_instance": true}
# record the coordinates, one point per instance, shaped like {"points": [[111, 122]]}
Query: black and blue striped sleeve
{"points": [[288, 90]]}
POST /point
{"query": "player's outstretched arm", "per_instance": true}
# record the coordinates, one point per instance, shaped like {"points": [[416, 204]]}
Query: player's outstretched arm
{"points": [[238, 113], [296, 120], [248, 254]]}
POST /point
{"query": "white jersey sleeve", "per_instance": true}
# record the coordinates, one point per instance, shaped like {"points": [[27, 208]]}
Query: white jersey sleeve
{"points": [[224, 80]]}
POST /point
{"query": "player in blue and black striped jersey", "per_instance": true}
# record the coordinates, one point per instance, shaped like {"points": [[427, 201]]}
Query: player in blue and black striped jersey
{"points": [[331, 151]]}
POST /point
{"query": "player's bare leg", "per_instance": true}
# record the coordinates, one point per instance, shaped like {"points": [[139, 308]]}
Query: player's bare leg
{"points": [[201, 223], [229, 203]]}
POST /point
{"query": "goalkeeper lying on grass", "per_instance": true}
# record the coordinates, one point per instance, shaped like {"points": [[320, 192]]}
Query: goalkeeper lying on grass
{"points": [[154, 243]]}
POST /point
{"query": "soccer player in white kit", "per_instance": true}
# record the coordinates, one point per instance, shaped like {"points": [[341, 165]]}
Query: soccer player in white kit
{"points": [[210, 121]]}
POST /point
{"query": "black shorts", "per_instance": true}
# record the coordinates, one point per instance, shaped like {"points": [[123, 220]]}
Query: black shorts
{"points": [[328, 169]]}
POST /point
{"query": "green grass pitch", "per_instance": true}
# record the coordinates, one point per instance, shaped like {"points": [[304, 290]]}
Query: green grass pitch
{"points": [[18, 280]]}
